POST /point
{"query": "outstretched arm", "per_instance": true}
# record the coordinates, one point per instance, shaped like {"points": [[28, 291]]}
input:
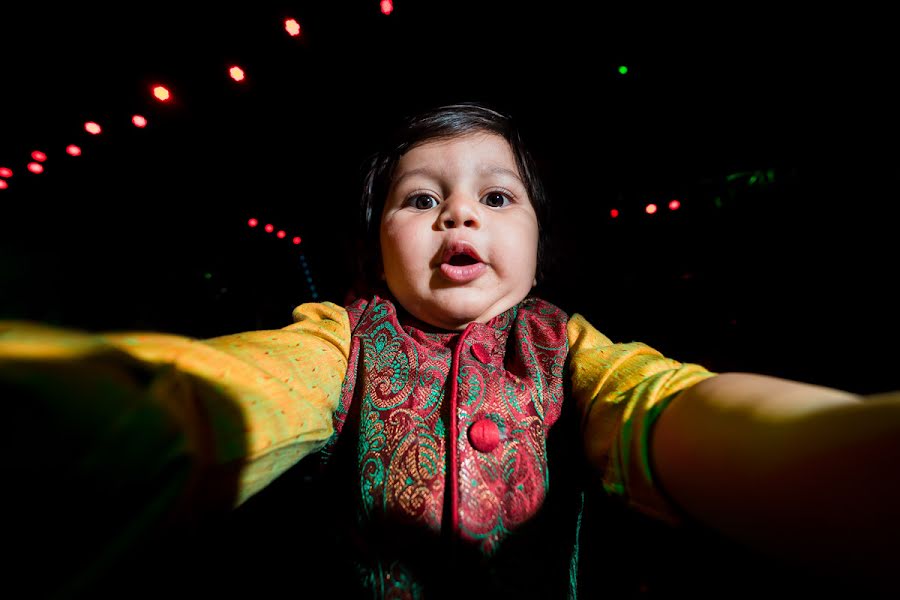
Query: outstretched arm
{"points": [[808, 473], [802, 472], [113, 439]]}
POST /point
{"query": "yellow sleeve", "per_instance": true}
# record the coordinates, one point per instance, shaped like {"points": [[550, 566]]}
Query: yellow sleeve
{"points": [[620, 390], [247, 406]]}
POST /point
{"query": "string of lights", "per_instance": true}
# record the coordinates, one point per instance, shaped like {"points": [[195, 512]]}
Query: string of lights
{"points": [[163, 93]]}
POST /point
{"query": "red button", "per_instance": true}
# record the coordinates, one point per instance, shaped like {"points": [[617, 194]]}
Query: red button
{"points": [[481, 353], [484, 435]]}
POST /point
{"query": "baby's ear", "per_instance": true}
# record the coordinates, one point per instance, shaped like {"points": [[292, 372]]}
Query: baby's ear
{"points": [[534, 283]]}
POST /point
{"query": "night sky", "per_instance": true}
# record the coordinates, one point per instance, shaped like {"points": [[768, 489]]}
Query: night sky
{"points": [[768, 266]]}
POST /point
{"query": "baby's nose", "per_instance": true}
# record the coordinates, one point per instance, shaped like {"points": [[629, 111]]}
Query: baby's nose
{"points": [[460, 213], [451, 223]]}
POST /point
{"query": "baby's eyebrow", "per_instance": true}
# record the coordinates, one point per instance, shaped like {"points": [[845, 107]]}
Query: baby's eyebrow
{"points": [[420, 171], [498, 170], [483, 170]]}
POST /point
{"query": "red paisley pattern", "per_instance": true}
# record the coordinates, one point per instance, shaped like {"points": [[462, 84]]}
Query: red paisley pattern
{"points": [[510, 371]]}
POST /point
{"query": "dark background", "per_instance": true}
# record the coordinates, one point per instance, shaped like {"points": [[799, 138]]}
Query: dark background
{"points": [[786, 273], [781, 259]]}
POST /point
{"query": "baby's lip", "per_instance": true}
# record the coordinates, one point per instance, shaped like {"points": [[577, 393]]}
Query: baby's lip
{"points": [[460, 247]]}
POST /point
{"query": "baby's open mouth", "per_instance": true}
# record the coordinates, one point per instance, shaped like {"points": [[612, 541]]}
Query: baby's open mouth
{"points": [[461, 260], [461, 264]]}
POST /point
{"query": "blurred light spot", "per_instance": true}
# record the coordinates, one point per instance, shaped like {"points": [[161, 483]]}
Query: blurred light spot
{"points": [[292, 27], [161, 93]]}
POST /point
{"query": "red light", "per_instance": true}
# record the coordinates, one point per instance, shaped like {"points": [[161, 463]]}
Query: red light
{"points": [[38, 156], [292, 27], [92, 128], [387, 7], [73, 150], [3, 184], [161, 93], [651, 208], [297, 240], [614, 213], [139, 121], [252, 222], [5, 172], [236, 73], [674, 204], [281, 234], [35, 168], [269, 228]]}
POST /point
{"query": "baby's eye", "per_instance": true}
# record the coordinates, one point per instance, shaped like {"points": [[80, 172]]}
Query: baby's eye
{"points": [[496, 199], [422, 201]]}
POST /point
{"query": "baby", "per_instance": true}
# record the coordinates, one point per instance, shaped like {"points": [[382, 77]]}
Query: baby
{"points": [[458, 418]]}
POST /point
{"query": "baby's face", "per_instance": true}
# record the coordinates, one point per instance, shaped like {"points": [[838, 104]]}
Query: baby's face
{"points": [[459, 235]]}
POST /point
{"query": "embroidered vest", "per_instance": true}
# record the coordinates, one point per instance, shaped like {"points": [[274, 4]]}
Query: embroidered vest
{"points": [[446, 436]]}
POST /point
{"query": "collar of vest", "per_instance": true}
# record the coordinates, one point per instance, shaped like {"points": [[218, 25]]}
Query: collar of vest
{"points": [[418, 328]]}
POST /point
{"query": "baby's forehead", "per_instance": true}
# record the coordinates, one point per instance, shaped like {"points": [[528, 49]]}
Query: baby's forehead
{"points": [[481, 152]]}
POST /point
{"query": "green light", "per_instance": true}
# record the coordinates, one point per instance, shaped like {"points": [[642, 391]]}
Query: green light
{"points": [[623, 69], [207, 275], [718, 202]]}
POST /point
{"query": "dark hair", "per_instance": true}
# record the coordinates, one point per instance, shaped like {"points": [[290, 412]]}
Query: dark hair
{"points": [[442, 122]]}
